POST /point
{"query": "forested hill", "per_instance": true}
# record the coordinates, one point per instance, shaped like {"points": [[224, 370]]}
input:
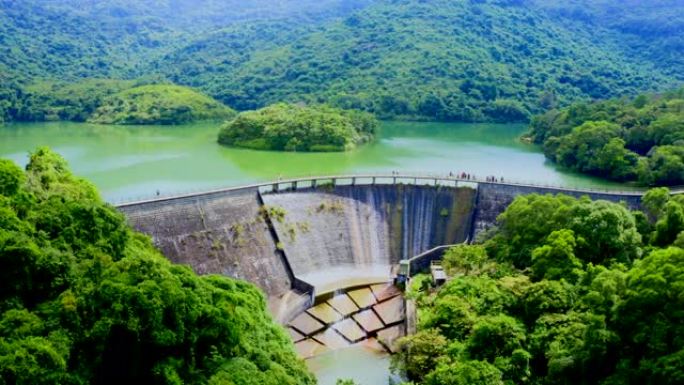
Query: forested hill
{"points": [[465, 60], [440, 59], [653, 30], [71, 39]]}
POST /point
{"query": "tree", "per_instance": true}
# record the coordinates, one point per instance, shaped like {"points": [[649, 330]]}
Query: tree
{"points": [[495, 336], [451, 315], [418, 354], [650, 318], [665, 166], [572, 347], [525, 223], [594, 312], [626, 141], [603, 230], [670, 224], [289, 127], [11, 177], [654, 201], [465, 259], [465, 373], [607, 232], [616, 161], [86, 299], [556, 259]]}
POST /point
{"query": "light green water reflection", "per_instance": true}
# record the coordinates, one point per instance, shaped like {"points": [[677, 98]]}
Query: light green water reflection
{"points": [[129, 162]]}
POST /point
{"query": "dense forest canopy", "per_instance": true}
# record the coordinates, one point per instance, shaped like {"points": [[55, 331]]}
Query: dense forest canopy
{"points": [[650, 29], [466, 60], [56, 100], [72, 39], [159, 104], [288, 127], [639, 139], [445, 60], [86, 300], [110, 101], [562, 291]]}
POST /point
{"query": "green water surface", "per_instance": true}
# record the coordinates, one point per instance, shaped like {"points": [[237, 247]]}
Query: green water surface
{"points": [[133, 162]]}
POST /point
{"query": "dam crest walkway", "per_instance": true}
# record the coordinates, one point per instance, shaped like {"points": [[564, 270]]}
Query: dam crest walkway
{"points": [[419, 179]]}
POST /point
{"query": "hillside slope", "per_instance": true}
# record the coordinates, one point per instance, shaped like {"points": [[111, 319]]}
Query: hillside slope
{"points": [[463, 60], [72, 39], [438, 59], [652, 30], [159, 104]]}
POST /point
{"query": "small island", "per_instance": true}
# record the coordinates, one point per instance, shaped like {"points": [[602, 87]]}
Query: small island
{"points": [[159, 104], [290, 127]]}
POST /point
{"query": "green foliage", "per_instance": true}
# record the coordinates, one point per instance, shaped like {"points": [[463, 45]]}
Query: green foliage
{"points": [[66, 101], [651, 319], [556, 259], [670, 224], [438, 60], [654, 201], [603, 231], [485, 60], [113, 102], [648, 30], [465, 373], [465, 259], [11, 177], [288, 127], [85, 299], [578, 311], [73, 39], [418, 354], [640, 140], [345, 382], [159, 104]]}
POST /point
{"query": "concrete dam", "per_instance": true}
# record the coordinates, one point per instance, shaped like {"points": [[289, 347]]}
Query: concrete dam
{"points": [[303, 239]]}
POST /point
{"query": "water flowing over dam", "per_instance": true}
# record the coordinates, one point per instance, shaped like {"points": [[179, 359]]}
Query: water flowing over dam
{"points": [[336, 237], [301, 239]]}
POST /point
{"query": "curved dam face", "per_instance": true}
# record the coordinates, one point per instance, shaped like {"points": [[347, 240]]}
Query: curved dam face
{"points": [[222, 233], [336, 237]]}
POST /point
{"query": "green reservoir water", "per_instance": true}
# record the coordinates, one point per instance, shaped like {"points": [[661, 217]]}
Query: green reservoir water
{"points": [[133, 162]]}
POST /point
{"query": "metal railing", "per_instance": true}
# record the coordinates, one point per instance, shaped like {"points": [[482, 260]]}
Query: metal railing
{"points": [[385, 179]]}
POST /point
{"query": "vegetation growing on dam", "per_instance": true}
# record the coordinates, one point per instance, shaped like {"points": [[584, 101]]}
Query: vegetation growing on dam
{"points": [[563, 291], [289, 127], [159, 104], [85, 299], [626, 140]]}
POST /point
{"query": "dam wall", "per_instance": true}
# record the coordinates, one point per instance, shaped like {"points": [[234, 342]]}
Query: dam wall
{"points": [[493, 198], [343, 234], [300, 238], [220, 233]]}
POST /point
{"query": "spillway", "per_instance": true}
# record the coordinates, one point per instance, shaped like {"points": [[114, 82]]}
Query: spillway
{"points": [[350, 235]]}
